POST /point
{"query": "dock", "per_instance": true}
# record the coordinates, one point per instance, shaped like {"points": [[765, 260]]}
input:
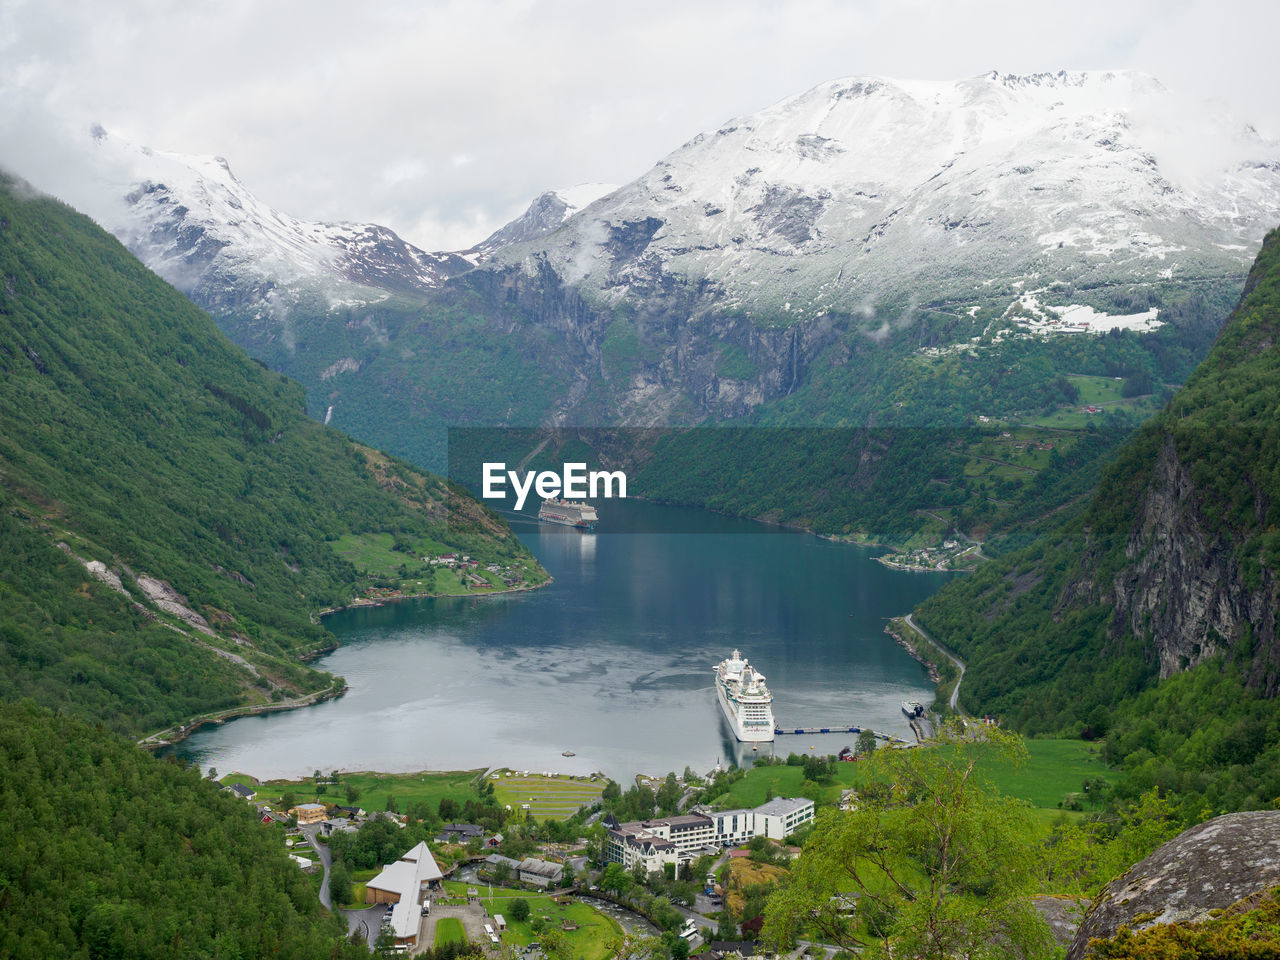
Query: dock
{"points": [[801, 730], [833, 728]]}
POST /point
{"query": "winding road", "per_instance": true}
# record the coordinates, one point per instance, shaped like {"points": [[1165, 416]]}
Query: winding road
{"points": [[954, 702]]}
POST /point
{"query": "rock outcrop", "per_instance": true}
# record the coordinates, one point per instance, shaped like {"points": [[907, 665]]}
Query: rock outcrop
{"points": [[1207, 868]]}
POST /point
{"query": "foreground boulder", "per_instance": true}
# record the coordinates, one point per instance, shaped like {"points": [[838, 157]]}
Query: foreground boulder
{"points": [[1209, 867]]}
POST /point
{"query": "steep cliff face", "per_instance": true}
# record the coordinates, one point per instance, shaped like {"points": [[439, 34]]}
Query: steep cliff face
{"points": [[675, 358], [1185, 585], [1201, 548], [1173, 562]]}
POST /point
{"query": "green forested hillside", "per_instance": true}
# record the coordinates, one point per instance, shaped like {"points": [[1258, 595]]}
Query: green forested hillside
{"points": [[135, 435], [108, 852], [1169, 572]]}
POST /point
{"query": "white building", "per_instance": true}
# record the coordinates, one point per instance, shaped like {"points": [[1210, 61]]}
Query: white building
{"points": [[782, 816], [404, 884], [653, 843], [733, 826]]}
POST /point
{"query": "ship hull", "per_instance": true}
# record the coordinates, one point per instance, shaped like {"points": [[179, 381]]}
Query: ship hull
{"points": [[753, 733], [561, 521]]}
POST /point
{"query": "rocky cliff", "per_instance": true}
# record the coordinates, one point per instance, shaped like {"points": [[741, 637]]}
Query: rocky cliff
{"points": [[1201, 871], [1173, 562], [1200, 550]]}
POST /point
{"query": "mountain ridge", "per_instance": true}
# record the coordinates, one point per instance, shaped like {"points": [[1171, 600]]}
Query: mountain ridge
{"points": [[171, 516]]}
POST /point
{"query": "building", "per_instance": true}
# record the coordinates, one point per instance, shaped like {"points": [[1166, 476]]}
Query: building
{"points": [[405, 884], [337, 825], [309, 812], [540, 873], [460, 832], [675, 840], [494, 860], [782, 816], [733, 826], [241, 791]]}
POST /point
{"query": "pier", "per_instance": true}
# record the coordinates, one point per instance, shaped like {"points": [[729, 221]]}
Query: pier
{"points": [[833, 728]]}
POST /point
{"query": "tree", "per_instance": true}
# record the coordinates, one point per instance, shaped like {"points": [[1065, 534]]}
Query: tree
{"points": [[340, 884], [938, 866], [213, 774], [568, 876], [866, 743], [816, 769], [519, 909], [501, 874], [680, 949], [288, 801], [669, 794], [611, 791], [353, 793]]}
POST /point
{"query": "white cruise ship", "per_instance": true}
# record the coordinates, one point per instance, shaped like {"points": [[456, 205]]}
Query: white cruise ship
{"points": [[745, 699], [570, 513]]}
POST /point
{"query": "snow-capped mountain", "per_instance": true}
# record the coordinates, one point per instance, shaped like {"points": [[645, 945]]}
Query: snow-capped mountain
{"points": [[548, 211], [192, 221], [866, 188]]}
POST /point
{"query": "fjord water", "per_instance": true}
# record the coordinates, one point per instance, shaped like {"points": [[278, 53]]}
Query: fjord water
{"points": [[613, 661]]}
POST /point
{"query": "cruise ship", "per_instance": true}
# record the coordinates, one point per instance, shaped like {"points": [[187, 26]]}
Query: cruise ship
{"points": [[746, 701], [570, 513]]}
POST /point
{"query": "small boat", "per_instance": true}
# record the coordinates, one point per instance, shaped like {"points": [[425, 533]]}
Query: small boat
{"points": [[912, 708], [568, 753]]}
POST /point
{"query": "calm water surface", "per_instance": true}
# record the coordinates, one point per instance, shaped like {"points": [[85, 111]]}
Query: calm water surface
{"points": [[612, 661]]}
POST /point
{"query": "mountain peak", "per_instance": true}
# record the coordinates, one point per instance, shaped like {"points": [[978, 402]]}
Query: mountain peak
{"points": [[546, 213], [872, 187]]}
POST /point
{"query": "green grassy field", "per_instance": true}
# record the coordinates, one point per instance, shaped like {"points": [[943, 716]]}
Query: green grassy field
{"points": [[449, 930], [1053, 769], [1096, 389], [785, 781], [557, 797], [375, 554], [421, 787], [591, 941]]}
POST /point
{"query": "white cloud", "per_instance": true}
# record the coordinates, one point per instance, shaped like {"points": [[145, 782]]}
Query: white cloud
{"points": [[330, 111]]}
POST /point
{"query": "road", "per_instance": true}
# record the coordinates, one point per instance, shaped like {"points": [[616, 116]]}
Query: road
{"points": [[326, 861], [954, 703], [368, 920]]}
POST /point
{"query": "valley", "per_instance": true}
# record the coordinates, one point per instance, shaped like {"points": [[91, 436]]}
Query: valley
{"points": [[985, 362]]}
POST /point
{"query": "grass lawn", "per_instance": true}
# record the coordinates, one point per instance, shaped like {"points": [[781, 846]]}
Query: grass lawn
{"points": [[1096, 390], [1053, 768], [557, 797], [591, 941], [373, 553], [420, 787], [449, 930]]}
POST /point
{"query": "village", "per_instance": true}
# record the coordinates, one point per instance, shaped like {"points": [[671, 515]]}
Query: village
{"points": [[584, 879]]}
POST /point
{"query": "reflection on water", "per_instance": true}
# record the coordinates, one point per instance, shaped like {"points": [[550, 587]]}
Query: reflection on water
{"points": [[612, 662]]}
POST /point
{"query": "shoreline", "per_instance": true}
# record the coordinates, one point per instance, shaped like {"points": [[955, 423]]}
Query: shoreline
{"points": [[359, 602], [934, 676], [168, 737], [176, 733]]}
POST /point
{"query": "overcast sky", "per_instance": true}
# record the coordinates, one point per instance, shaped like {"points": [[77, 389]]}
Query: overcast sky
{"points": [[443, 119]]}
